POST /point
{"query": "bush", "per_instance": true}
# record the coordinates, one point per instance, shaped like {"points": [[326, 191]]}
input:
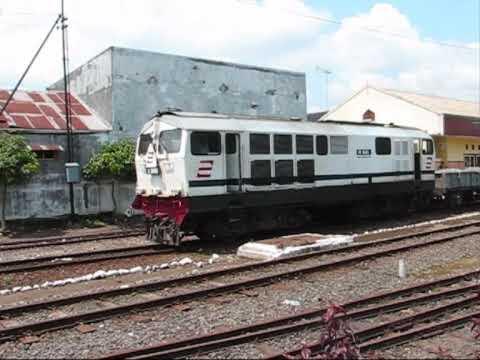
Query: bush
{"points": [[17, 164], [115, 161]]}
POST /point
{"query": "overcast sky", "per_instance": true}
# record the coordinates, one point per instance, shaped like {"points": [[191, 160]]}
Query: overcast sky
{"points": [[288, 34]]}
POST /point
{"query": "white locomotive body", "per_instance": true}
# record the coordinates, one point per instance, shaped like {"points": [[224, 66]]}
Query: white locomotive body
{"points": [[217, 176]]}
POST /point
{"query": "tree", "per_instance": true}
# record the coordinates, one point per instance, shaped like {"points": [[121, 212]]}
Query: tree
{"points": [[17, 164], [115, 161]]}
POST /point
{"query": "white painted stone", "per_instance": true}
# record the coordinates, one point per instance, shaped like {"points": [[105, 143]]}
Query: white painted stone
{"points": [[291, 302], [265, 251], [185, 261]]}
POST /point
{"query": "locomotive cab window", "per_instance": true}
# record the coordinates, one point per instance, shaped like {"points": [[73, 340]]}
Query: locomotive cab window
{"points": [[205, 143], [259, 144], [282, 144], [427, 147], [144, 143], [339, 145], [304, 144], [322, 145], [170, 141], [383, 146]]}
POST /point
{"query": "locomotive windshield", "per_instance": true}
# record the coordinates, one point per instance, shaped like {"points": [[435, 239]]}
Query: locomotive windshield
{"points": [[144, 143], [170, 141]]}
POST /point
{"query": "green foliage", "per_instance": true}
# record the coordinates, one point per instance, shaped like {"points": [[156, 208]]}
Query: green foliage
{"points": [[17, 162], [114, 161]]}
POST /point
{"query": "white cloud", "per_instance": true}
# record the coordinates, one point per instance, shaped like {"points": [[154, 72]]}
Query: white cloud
{"points": [[359, 57], [261, 32], [221, 29]]}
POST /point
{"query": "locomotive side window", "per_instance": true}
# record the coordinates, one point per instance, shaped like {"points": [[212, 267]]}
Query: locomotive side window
{"points": [[144, 143], [205, 143], [170, 141], [261, 172], [339, 145], [306, 171], [259, 144], [383, 146], [304, 144], [282, 144], [427, 147], [231, 143], [322, 145], [284, 171]]}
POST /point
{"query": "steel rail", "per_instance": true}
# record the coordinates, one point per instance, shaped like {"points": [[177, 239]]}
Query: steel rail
{"points": [[364, 337], [36, 243], [46, 262], [97, 315], [157, 285], [278, 326], [358, 246]]}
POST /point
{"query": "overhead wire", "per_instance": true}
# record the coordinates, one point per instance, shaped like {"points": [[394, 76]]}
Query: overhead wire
{"points": [[363, 28]]}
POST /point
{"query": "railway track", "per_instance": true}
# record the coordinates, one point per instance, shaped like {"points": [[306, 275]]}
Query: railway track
{"points": [[184, 296], [47, 262], [63, 240], [313, 319]]}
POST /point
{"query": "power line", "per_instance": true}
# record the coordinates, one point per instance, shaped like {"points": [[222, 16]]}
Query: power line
{"points": [[365, 28]]}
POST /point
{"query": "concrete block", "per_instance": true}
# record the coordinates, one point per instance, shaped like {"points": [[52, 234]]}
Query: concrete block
{"points": [[291, 245]]}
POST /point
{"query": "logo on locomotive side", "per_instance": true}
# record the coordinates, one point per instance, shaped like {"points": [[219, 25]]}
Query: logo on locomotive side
{"points": [[205, 169]]}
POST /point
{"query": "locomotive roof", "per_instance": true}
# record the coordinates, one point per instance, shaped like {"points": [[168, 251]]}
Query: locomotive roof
{"points": [[220, 122]]}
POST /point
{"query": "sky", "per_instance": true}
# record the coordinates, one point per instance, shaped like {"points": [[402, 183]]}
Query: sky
{"points": [[392, 44]]}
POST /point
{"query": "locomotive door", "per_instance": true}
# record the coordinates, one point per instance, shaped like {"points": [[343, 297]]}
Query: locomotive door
{"points": [[417, 160], [233, 162]]}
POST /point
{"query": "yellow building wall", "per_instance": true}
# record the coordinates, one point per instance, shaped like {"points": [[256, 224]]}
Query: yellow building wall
{"points": [[457, 147]]}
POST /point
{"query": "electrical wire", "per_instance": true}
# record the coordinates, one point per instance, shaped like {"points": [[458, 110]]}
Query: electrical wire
{"points": [[363, 28]]}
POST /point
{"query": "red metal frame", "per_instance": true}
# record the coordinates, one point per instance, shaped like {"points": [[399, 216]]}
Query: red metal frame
{"points": [[175, 208]]}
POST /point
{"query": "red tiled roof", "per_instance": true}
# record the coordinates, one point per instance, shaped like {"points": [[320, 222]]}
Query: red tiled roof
{"points": [[45, 110]]}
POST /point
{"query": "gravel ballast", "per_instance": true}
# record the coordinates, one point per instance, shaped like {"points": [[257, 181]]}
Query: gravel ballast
{"points": [[198, 317]]}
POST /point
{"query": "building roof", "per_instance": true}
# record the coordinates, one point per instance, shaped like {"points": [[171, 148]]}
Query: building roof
{"points": [[315, 116], [45, 111], [438, 104]]}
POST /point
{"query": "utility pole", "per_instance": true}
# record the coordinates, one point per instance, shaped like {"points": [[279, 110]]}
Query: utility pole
{"points": [[67, 106], [12, 94], [327, 73]]}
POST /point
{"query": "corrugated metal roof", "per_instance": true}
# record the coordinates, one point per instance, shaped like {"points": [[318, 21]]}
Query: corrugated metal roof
{"points": [[45, 110], [40, 147], [438, 104]]}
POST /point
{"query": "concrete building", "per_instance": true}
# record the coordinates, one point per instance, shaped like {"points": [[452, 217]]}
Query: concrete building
{"points": [[40, 118], [127, 87], [454, 124]]}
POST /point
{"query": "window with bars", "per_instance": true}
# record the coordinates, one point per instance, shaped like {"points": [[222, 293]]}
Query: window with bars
{"points": [[282, 144], [284, 171], [304, 144]]}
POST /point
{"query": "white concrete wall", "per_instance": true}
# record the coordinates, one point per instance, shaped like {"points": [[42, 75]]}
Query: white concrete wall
{"points": [[48, 198], [387, 109]]}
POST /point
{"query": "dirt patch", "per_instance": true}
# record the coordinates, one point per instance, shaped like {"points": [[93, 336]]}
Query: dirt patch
{"points": [[465, 264], [294, 240]]}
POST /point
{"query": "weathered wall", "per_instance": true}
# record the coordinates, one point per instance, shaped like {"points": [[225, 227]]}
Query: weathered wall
{"points": [[127, 87], [147, 82], [47, 197], [92, 82]]}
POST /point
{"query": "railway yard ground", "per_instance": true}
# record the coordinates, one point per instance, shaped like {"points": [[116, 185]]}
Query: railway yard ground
{"points": [[107, 292]]}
